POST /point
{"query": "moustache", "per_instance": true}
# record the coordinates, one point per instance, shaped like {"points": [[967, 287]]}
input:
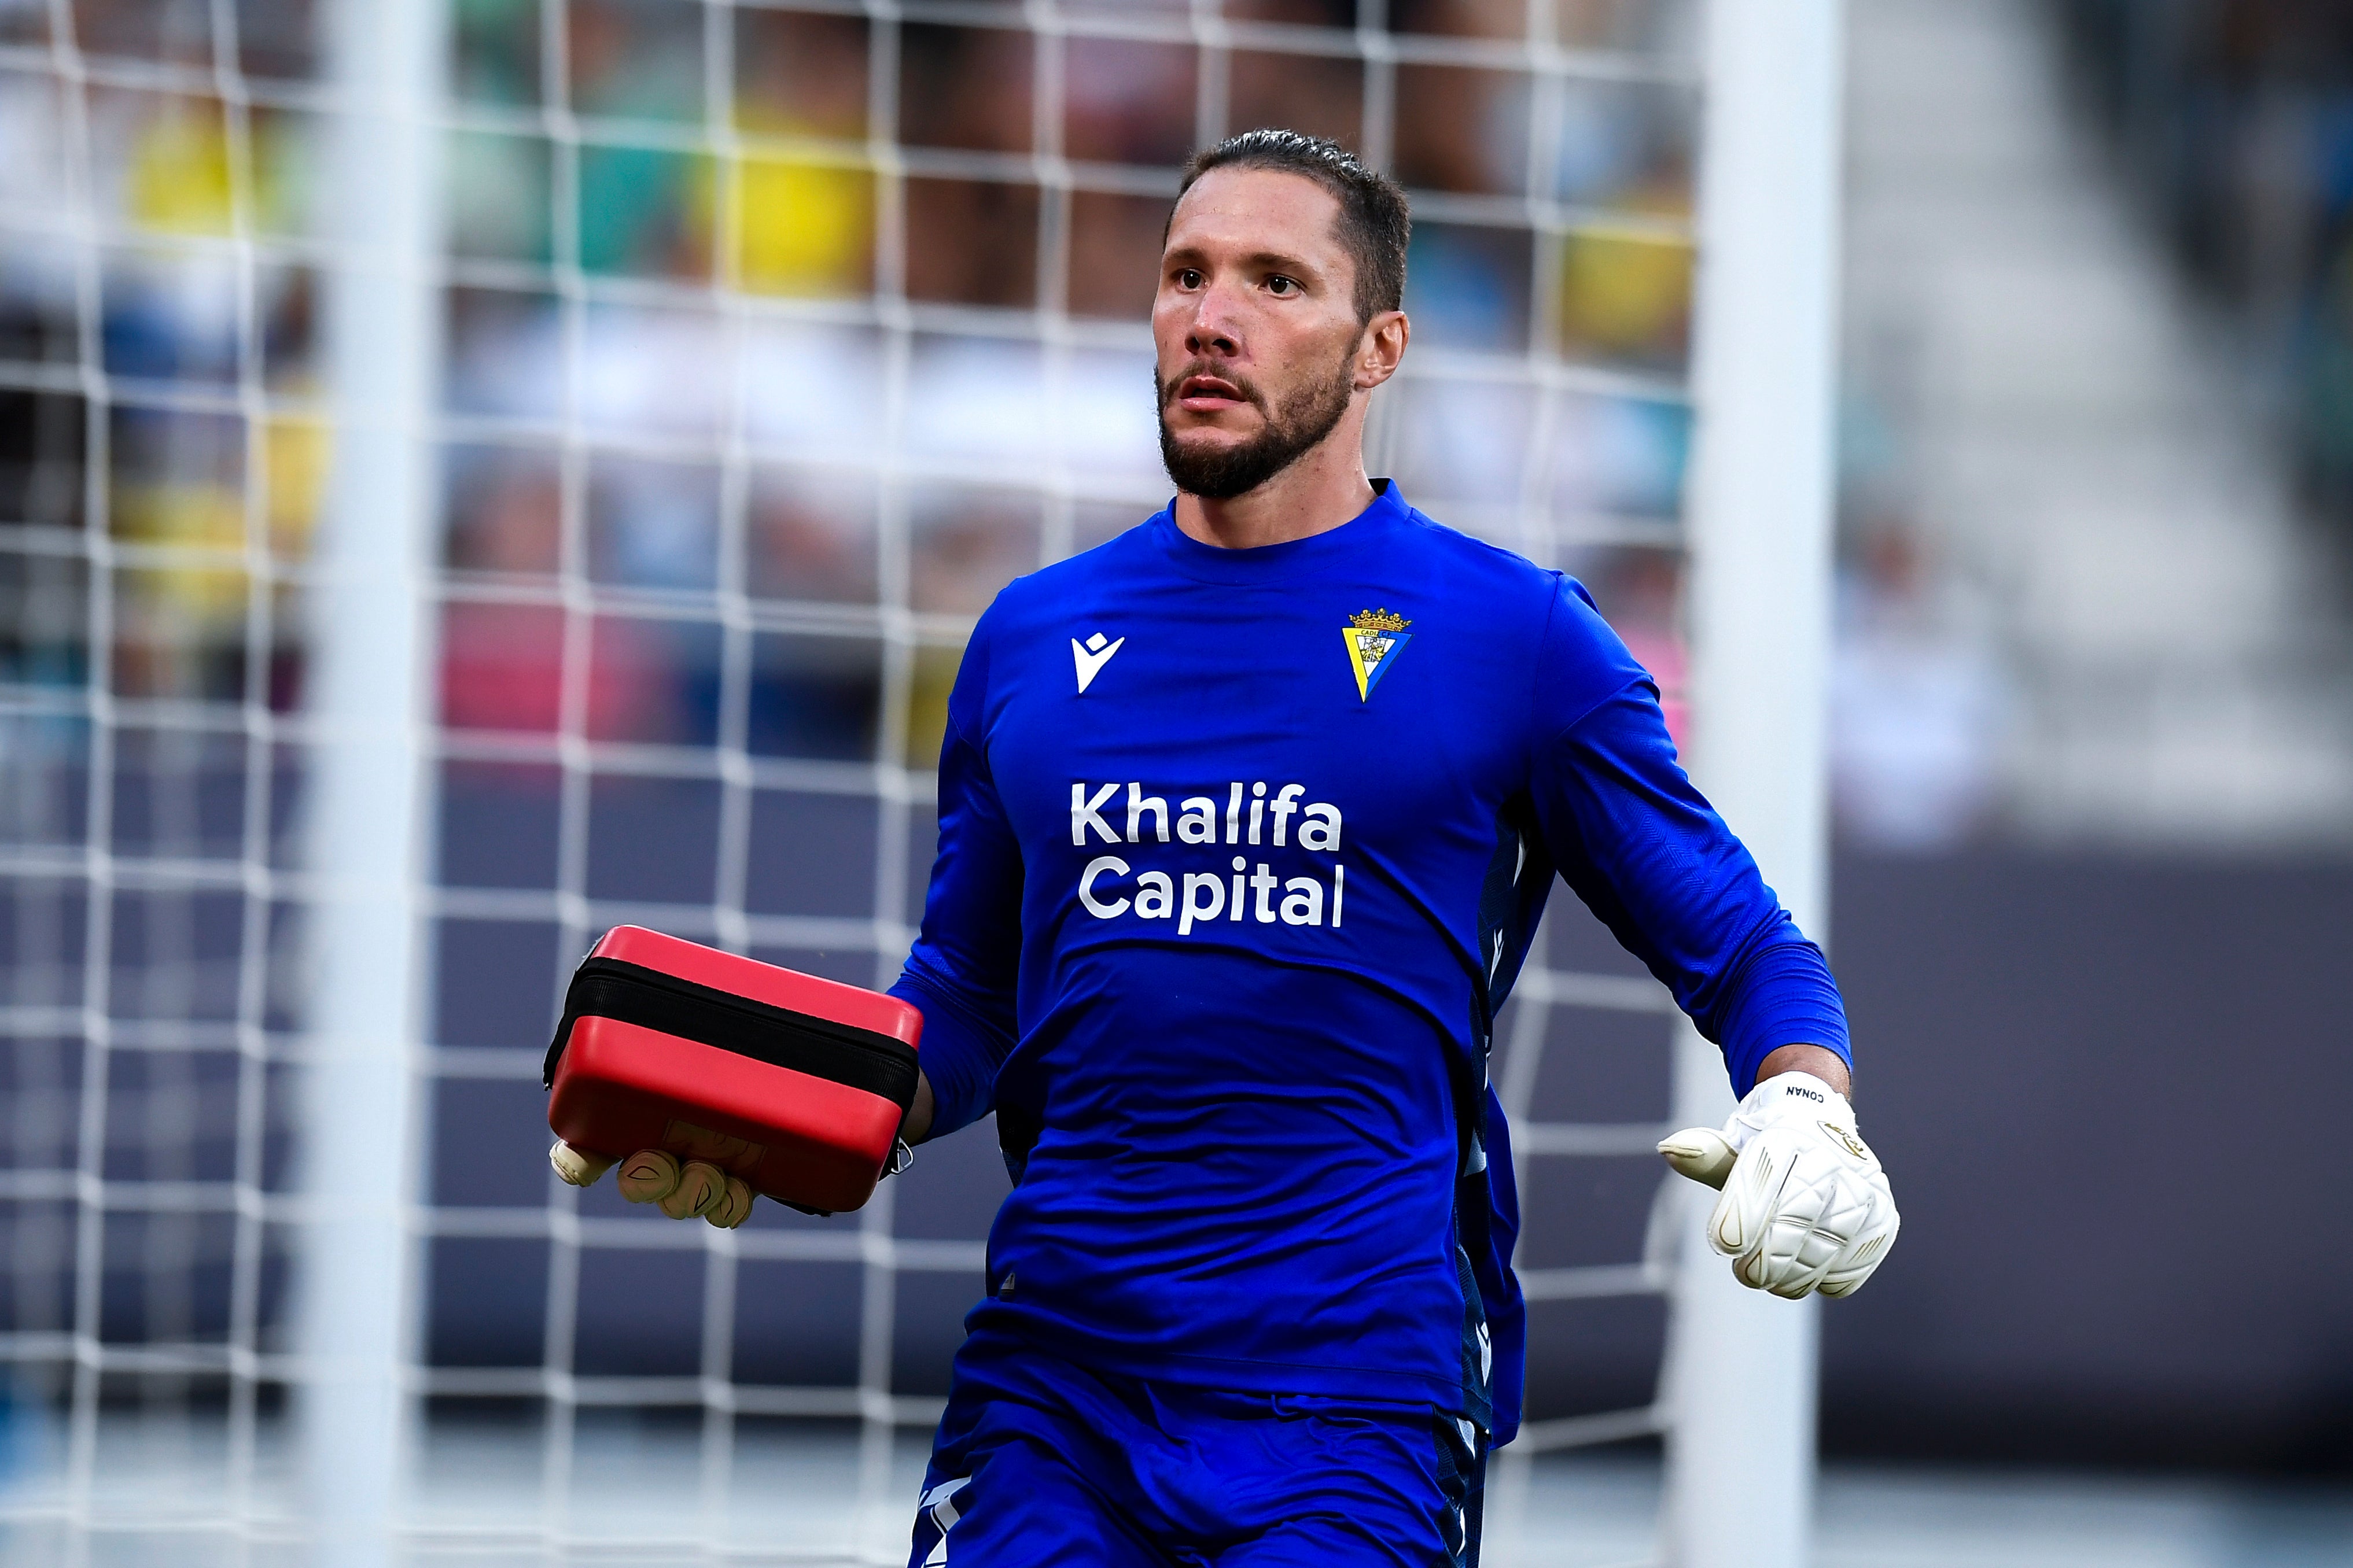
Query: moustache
{"points": [[1249, 390]]}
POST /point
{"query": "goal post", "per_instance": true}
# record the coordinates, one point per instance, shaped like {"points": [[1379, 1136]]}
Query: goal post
{"points": [[358, 1277], [1741, 1365]]}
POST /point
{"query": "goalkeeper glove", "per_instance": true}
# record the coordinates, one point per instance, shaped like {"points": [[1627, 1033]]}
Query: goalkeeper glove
{"points": [[653, 1176], [1805, 1205]]}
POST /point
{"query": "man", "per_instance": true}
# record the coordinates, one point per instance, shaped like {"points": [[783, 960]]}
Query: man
{"points": [[1245, 819]]}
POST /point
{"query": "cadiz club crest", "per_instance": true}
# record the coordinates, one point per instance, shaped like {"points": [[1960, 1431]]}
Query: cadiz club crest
{"points": [[1375, 639]]}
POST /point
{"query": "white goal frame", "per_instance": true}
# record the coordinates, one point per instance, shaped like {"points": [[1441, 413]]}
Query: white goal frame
{"points": [[1741, 1365]]}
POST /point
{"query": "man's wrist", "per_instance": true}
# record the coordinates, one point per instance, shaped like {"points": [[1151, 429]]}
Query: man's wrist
{"points": [[921, 1111], [1819, 1061]]}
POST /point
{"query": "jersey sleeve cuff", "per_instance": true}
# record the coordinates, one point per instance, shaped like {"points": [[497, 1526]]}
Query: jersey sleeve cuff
{"points": [[1786, 998], [958, 1056]]}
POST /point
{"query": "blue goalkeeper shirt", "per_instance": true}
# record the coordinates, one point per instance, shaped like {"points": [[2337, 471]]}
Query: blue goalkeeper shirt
{"points": [[1239, 853]]}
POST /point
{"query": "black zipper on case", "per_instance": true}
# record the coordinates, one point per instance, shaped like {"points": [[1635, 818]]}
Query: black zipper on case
{"points": [[632, 994]]}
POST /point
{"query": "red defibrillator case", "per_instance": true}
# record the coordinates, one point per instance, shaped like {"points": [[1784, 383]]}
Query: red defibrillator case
{"points": [[794, 1083]]}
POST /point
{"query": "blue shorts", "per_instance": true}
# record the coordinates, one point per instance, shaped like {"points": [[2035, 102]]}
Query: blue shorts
{"points": [[1041, 1464]]}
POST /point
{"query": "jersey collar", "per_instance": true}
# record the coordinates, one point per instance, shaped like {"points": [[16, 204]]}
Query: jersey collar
{"points": [[1287, 562]]}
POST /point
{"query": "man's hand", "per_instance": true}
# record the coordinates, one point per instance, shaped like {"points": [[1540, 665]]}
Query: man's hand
{"points": [[652, 1176], [1805, 1205]]}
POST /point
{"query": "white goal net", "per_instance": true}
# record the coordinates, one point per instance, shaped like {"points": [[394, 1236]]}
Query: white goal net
{"points": [[773, 340]]}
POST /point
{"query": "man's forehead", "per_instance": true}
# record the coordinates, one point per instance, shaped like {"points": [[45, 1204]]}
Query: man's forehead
{"points": [[1262, 209]]}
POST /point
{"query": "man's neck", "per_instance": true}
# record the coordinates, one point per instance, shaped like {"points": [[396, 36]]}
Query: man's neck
{"points": [[1324, 488]]}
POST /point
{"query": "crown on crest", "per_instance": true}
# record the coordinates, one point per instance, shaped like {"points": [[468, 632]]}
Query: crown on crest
{"points": [[1381, 620]]}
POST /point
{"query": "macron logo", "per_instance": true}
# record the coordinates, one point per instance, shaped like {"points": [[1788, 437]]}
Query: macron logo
{"points": [[1091, 656]]}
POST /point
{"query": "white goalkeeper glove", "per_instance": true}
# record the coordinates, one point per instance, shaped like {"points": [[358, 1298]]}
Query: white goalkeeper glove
{"points": [[653, 1176], [1804, 1205]]}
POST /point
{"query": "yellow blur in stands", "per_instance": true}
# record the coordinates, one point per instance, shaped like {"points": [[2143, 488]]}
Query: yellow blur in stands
{"points": [[805, 226], [294, 454], [196, 534], [1626, 296], [180, 180]]}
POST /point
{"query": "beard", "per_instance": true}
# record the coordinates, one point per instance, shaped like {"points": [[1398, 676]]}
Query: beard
{"points": [[1301, 423]]}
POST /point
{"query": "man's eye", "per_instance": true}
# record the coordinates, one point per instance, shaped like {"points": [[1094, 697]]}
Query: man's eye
{"points": [[1188, 277], [1280, 286]]}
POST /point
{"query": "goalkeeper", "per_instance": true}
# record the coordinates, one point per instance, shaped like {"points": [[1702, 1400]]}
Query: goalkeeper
{"points": [[1246, 820]]}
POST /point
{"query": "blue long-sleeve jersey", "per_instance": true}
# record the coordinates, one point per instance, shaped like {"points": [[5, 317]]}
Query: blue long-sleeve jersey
{"points": [[1241, 851]]}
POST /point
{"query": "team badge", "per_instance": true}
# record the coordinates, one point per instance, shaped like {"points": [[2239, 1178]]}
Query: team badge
{"points": [[1375, 639]]}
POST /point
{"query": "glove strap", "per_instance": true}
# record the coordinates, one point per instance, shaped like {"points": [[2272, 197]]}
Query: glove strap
{"points": [[1789, 1094]]}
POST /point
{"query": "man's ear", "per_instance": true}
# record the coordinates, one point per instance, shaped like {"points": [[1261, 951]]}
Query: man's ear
{"points": [[1380, 348]]}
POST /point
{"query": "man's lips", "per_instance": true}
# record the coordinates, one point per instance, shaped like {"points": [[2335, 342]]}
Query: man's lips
{"points": [[1207, 394]]}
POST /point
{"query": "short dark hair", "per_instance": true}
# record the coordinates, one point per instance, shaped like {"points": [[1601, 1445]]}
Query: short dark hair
{"points": [[1374, 224]]}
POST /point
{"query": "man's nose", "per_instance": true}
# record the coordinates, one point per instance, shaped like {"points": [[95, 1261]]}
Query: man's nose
{"points": [[1206, 337], [1212, 330]]}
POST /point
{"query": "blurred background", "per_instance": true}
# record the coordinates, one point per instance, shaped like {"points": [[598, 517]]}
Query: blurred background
{"points": [[776, 338]]}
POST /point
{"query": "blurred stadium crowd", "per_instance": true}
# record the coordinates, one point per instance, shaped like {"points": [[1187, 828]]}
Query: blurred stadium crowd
{"points": [[839, 323], [672, 238], [2094, 297], [2235, 117]]}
